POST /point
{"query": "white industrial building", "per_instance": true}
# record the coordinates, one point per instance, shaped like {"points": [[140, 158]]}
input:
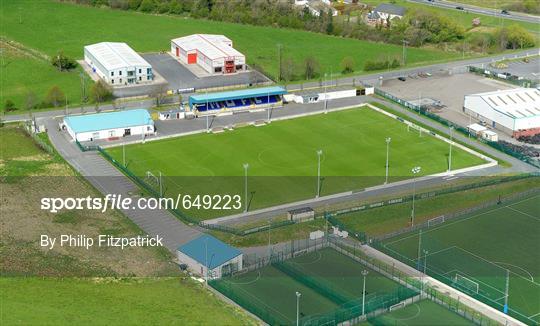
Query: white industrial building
{"points": [[110, 125], [214, 53], [210, 257], [516, 111], [117, 63]]}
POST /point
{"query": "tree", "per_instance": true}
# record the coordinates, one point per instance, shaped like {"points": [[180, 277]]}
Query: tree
{"points": [[347, 65], [519, 37], [311, 67], [159, 94], [287, 69], [9, 106], [100, 92], [31, 101], [55, 96], [147, 6], [62, 62]]}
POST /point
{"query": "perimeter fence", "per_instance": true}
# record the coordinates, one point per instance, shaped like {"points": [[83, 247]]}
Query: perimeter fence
{"points": [[409, 290], [422, 111]]}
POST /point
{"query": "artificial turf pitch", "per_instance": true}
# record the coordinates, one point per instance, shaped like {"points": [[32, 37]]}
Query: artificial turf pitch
{"points": [[283, 159], [270, 293], [425, 312], [481, 247]]}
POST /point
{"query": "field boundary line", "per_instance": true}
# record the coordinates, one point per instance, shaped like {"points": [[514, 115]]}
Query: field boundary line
{"points": [[529, 215]]}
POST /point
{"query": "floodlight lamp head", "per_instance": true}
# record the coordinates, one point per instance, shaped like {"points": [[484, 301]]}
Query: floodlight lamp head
{"points": [[319, 152], [416, 169], [388, 139], [298, 294], [365, 272], [246, 165]]}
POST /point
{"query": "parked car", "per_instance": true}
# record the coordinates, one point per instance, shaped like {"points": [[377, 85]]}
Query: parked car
{"points": [[402, 78], [505, 12], [460, 8]]}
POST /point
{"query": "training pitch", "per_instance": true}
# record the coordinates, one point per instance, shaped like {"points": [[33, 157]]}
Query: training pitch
{"points": [[474, 253], [283, 157], [425, 312], [270, 292]]}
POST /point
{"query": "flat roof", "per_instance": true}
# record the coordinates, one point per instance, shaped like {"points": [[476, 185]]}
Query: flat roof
{"points": [[517, 103], [109, 120], [211, 46], [116, 55], [236, 95], [209, 251]]}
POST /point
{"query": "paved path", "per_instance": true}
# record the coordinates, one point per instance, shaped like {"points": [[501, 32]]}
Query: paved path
{"points": [[108, 180], [369, 78]]}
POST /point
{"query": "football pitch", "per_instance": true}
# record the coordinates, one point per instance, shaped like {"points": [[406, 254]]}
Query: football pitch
{"points": [[425, 312], [323, 278], [475, 253], [283, 158]]}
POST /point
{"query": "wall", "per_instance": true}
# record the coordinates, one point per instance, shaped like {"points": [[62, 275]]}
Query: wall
{"points": [[118, 132], [200, 269]]}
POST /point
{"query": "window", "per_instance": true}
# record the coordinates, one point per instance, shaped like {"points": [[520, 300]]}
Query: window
{"points": [[140, 78], [140, 71], [120, 72], [217, 69], [112, 73], [149, 71], [120, 80], [112, 81]]}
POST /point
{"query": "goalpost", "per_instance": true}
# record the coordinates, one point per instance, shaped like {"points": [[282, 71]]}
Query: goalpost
{"points": [[466, 283], [154, 181]]}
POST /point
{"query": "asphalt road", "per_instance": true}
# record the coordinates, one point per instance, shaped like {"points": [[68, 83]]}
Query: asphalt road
{"points": [[370, 78], [480, 10]]}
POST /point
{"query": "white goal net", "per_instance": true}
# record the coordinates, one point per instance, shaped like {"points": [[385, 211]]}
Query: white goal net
{"points": [[466, 283]]}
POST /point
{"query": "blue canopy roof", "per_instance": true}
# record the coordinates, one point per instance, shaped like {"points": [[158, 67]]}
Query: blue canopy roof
{"points": [[109, 120], [237, 95], [209, 251]]}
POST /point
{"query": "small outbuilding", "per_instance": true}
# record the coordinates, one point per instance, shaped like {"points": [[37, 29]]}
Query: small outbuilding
{"points": [[110, 125], [210, 257]]}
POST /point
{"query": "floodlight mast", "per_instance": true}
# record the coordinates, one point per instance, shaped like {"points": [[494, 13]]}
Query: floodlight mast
{"points": [[364, 273], [415, 171], [246, 167], [298, 295], [319, 153], [388, 140]]}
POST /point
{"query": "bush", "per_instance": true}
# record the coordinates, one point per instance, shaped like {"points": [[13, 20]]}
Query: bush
{"points": [[9, 106], [380, 65], [101, 92], [55, 97], [62, 62], [347, 65]]}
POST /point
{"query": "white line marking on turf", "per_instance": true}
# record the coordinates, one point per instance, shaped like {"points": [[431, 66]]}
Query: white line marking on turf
{"points": [[526, 214], [521, 268], [248, 282], [418, 311]]}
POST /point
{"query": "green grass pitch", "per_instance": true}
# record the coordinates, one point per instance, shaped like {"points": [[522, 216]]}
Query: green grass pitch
{"points": [[425, 312], [482, 247], [268, 290], [282, 157]]}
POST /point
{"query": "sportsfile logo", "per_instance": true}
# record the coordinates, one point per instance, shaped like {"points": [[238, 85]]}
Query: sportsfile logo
{"points": [[114, 201]]}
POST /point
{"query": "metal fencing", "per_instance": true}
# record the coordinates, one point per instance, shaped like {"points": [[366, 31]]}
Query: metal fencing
{"points": [[410, 289], [422, 111], [495, 75]]}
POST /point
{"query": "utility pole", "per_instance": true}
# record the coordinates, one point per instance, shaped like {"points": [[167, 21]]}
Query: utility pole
{"points": [[419, 248], [124, 154], [325, 95], [506, 291], [279, 63], [404, 55]]}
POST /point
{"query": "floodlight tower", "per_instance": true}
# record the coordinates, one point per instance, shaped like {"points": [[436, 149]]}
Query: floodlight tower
{"points": [[246, 167], [415, 171], [388, 140], [319, 153], [364, 274], [298, 295]]}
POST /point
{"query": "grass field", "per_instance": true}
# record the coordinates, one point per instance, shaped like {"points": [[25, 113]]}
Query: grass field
{"points": [[465, 18], [71, 301], [51, 26], [383, 220], [423, 313], [270, 293], [281, 170], [481, 247], [22, 74]]}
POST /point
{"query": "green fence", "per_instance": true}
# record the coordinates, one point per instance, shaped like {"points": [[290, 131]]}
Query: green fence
{"points": [[495, 75], [422, 111]]}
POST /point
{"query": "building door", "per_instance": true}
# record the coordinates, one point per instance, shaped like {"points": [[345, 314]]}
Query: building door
{"points": [[127, 132], [229, 66], [192, 58], [177, 52]]}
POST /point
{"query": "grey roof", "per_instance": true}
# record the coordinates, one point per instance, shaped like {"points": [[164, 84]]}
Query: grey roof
{"points": [[390, 9]]}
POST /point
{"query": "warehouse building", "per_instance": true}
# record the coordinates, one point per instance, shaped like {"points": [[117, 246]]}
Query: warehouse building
{"points": [[117, 63], [514, 111], [209, 257], [214, 53], [110, 125]]}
